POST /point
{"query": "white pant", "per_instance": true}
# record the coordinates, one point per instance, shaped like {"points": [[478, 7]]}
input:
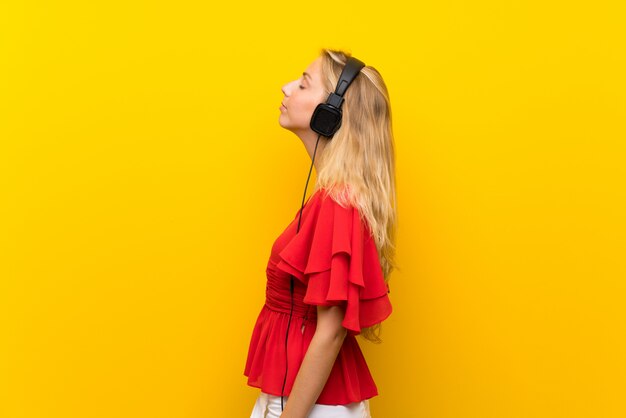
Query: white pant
{"points": [[268, 406]]}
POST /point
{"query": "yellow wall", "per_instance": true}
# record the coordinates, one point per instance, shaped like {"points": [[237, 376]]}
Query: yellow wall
{"points": [[144, 177]]}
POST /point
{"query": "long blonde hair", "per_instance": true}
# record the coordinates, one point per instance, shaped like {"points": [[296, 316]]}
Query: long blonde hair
{"points": [[361, 156]]}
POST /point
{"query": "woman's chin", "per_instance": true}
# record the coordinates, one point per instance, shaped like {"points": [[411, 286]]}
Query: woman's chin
{"points": [[282, 123]]}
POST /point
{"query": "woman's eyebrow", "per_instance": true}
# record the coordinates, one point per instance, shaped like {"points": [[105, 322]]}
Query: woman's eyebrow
{"points": [[307, 75]]}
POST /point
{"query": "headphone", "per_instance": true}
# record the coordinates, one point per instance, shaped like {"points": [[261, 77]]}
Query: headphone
{"points": [[326, 120]]}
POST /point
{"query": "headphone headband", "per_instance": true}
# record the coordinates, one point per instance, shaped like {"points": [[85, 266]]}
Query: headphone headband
{"points": [[349, 73]]}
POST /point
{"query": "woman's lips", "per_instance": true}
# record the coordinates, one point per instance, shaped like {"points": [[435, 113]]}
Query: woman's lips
{"points": [[282, 106]]}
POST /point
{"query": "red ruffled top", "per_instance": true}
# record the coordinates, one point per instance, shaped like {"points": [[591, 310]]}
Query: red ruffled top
{"points": [[335, 262]]}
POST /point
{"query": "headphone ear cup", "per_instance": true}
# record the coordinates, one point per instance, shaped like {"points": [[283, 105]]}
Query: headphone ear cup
{"points": [[326, 119]]}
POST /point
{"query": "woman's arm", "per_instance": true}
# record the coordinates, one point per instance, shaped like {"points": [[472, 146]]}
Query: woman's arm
{"points": [[317, 363]]}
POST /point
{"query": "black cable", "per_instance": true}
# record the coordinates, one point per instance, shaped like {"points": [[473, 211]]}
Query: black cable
{"points": [[291, 283]]}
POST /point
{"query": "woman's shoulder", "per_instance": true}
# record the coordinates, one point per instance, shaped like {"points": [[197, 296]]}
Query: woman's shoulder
{"points": [[337, 195]]}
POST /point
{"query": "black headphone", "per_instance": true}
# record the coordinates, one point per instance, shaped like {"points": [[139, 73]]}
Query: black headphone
{"points": [[326, 120], [326, 117]]}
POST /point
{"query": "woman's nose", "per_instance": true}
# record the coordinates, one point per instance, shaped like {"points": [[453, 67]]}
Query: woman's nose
{"points": [[287, 88]]}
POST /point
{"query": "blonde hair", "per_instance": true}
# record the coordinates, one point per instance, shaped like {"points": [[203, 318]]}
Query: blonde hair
{"points": [[358, 164]]}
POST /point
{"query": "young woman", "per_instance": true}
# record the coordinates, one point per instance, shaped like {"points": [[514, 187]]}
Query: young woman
{"points": [[328, 270]]}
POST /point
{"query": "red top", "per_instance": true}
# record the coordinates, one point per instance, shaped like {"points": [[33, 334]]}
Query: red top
{"points": [[335, 262]]}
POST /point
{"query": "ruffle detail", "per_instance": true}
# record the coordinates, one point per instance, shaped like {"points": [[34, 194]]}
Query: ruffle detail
{"points": [[335, 256]]}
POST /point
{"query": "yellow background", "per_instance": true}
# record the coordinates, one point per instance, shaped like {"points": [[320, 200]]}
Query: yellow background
{"points": [[144, 177]]}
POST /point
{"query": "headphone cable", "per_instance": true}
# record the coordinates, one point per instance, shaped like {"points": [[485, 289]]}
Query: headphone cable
{"points": [[291, 282]]}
